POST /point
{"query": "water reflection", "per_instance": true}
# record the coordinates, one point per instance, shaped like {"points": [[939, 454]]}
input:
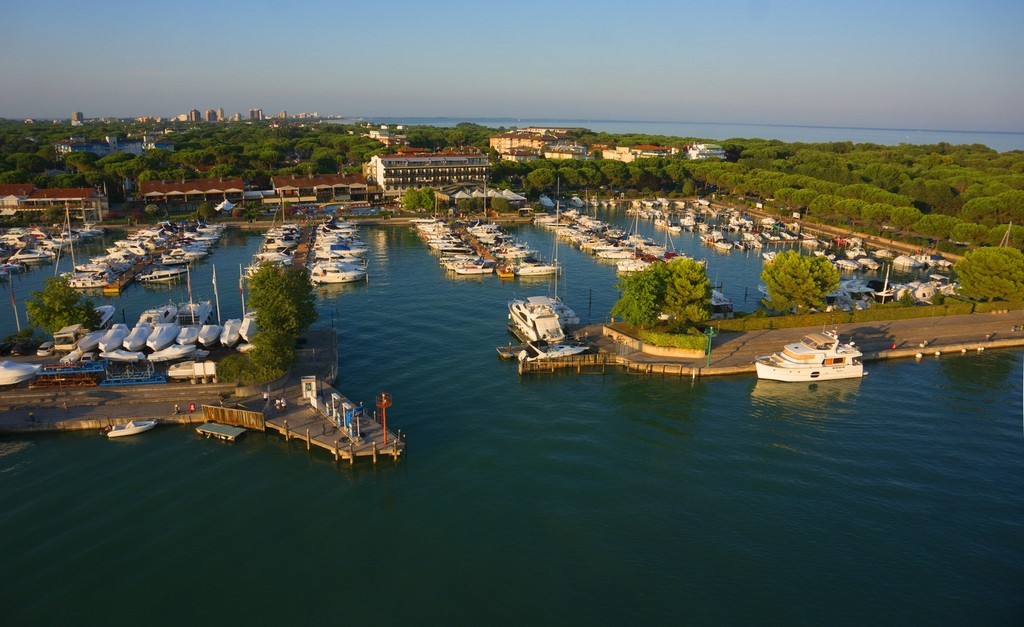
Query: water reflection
{"points": [[817, 400]]}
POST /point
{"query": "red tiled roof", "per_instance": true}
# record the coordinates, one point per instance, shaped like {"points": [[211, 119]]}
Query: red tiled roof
{"points": [[16, 189], [191, 185], [71, 193], [650, 148]]}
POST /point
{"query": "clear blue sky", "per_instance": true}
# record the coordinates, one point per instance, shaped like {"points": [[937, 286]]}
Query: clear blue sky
{"points": [[893, 64]]}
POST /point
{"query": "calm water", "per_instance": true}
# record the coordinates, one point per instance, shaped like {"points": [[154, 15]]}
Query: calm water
{"points": [[544, 500], [999, 141]]}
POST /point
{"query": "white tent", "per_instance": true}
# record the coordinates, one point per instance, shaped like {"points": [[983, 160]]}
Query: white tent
{"points": [[461, 195], [512, 196], [224, 206]]}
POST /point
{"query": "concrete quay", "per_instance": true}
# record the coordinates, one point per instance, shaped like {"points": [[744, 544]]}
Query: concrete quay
{"points": [[734, 353]]}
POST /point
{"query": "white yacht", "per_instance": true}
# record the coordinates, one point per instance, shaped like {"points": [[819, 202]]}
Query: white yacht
{"points": [[189, 334], [817, 357], [13, 372], [162, 274], [331, 272], [536, 319]]}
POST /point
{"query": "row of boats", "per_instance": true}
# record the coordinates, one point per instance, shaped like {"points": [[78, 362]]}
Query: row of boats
{"points": [[336, 254]]}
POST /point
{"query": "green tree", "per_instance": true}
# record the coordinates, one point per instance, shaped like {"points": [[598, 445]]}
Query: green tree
{"points": [[205, 211], [642, 296], [798, 282], [992, 274], [688, 293], [285, 307], [58, 305]]}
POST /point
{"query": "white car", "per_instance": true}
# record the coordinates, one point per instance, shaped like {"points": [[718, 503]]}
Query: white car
{"points": [[45, 350]]}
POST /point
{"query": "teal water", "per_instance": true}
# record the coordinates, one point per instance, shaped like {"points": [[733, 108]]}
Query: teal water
{"points": [[564, 499], [1000, 141]]}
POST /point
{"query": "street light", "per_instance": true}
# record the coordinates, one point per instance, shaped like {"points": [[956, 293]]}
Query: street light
{"points": [[710, 333]]}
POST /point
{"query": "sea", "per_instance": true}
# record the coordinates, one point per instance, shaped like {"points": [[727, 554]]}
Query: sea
{"points": [[589, 499], [1000, 141]]}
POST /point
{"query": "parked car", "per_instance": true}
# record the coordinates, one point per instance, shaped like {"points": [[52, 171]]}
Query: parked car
{"points": [[5, 347], [45, 349], [24, 348]]}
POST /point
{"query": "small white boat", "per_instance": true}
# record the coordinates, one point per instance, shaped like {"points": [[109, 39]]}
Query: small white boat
{"points": [[136, 340], [122, 355], [229, 333], [114, 337], [189, 334], [181, 370], [163, 335], [209, 335], [247, 330], [13, 372], [174, 352], [131, 428], [90, 340]]}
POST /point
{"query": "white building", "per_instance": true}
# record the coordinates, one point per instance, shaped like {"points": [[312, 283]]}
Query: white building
{"points": [[704, 151]]}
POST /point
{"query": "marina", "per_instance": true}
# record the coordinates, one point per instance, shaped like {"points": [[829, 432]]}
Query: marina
{"points": [[689, 488]]}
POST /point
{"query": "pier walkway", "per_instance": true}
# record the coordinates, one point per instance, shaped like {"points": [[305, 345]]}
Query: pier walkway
{"points": [[734, 353]]}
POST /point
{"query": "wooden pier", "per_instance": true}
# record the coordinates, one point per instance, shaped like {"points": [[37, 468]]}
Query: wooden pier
{"points": [[306, 424], [219, 431]]}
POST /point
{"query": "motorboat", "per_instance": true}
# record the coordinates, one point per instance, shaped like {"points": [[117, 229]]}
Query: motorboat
{"points": [[209, 335], [475, 267], [90, 340], [122, 355], [114, 337], [160, 315], [14, 372], [162, 274], [553, 351], [229, 335], [181, 370], [163, 335], [106, 313], [247, 329], [533, 319], [174, 352], [327, 272], [816, 357], [195, 312], [189, 334], [130, 428], [536, 269], [136, 339]]}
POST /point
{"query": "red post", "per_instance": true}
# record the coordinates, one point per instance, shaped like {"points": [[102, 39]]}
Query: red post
{"points": [[383, 402]]}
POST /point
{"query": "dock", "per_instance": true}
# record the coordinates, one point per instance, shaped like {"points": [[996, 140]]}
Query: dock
{"points": [[734, 353], [219, 431]]}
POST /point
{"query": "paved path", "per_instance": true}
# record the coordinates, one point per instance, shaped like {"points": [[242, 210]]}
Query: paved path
{"points": [[735, 352]]}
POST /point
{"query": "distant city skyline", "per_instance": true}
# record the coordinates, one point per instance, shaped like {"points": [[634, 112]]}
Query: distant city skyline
{"points": [[915, 64]]}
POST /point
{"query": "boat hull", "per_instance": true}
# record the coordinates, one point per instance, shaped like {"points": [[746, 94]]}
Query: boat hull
{"points": [[816, 372]]}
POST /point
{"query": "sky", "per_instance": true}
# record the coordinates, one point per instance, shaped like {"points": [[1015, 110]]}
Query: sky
{"points": [[914, 64]]}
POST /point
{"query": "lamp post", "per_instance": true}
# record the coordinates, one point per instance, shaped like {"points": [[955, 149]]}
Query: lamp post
{"points": [[710, 333]]}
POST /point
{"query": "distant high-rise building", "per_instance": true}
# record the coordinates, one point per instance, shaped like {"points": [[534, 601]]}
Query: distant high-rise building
{"points": [[211, 115], [220, 114], [283, 115], [77, 118], [255, 114], [194, 116]]}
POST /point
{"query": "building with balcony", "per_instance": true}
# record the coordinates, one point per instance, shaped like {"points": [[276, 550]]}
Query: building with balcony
{"points": [[81, 201], [320, 188], [192, 191], [394, 174]]}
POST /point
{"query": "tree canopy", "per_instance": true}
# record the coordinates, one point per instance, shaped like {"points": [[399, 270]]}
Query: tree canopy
{"points": [[285, 306], [995, 273], [687, 293], [642, 296], [795, 281], [58, 305]]}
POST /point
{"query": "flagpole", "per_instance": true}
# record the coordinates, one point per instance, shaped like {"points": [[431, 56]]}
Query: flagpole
{"points": [[216, 296], [241, 290], [14, 306]]}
